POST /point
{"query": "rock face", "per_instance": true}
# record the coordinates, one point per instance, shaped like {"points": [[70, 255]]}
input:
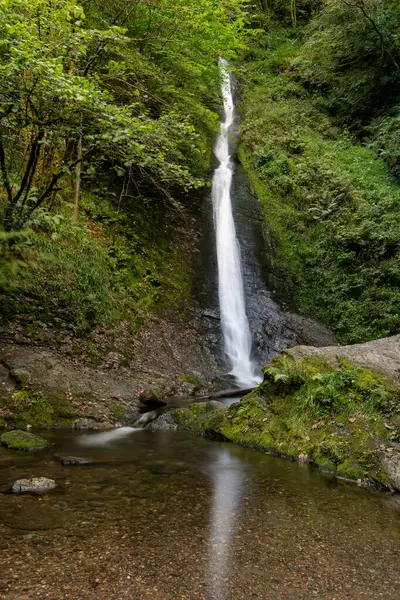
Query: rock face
{"points": [[390, 459], [381, 356], [22, 440], [167, 355], [273, 324], [36, 484]]}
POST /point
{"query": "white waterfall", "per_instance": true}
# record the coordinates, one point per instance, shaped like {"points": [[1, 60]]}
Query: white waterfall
{"points": [[235, 325]]}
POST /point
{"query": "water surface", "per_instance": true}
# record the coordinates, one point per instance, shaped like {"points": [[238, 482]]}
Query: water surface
{"points": [[169, 516]]}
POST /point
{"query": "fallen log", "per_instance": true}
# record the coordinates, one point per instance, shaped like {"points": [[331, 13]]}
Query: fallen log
{"points": [[235, 393]]}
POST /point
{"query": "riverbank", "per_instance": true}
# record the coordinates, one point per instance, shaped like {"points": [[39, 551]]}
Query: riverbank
{"points": [[321, 408]]}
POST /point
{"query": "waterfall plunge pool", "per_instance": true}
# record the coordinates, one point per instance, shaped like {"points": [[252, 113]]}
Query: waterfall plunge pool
{"points": [[168, 516]]}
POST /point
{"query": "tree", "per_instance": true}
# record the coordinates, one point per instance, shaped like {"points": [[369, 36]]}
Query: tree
{"points": [[105, 88]]}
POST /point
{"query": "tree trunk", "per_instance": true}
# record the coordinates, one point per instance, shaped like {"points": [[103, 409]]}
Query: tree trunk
{"points": [[78, 169]]}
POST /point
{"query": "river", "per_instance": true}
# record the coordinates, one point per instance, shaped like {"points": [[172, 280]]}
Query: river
{"points": [[168, 516]]}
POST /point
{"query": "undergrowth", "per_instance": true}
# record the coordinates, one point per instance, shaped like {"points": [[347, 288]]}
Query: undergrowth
{"points": [[118, 263], [330, 206]]}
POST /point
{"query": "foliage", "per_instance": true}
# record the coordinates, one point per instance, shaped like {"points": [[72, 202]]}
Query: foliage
{"points": [[322, 391], [103, 80], [350, 55], [104, 270], [11, 265], [328, 202]]}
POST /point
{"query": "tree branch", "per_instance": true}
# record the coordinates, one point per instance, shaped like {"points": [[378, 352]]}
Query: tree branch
{"points": [[4, 173]]}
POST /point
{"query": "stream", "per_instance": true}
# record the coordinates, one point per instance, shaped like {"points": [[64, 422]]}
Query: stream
{"points": [[167, 515]]}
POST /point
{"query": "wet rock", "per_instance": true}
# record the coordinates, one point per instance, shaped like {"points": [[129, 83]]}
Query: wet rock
{"points": [[152, 398], [146, 419], [163, 422], [215, 405], [36, 484], [22, 440], [74, 460], [390, 459]]}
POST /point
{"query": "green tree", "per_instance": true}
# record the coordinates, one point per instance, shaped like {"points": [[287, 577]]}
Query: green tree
{"points": [[104, 89]]}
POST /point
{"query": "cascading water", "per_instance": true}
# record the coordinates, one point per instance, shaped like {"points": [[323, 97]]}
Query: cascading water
{"points": [[235, 325]]}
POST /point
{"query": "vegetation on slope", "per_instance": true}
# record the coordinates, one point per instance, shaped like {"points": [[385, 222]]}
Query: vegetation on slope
{"points": [[107, 115], [319, 110]]}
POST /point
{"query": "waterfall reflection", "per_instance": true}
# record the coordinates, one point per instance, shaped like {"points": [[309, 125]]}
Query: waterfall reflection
{"points": [[228, 480]]}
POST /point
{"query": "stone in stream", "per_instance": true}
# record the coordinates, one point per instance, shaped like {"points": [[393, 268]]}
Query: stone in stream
{"points": [[164, 422], [22, 440], [74, 460], [36, 484]]}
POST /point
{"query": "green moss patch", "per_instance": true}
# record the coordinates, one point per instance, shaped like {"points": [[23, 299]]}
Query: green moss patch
{"points": [[27, 407], [22, 440]]}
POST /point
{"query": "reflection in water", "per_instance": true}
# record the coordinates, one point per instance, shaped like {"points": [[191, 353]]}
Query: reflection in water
{"points": [[106, 437], [227, 479]]}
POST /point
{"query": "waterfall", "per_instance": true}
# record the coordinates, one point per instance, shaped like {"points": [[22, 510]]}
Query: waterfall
{"points": [[235, 325]]}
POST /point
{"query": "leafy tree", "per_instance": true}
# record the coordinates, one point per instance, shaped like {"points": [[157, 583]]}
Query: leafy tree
{"points": [[74, 90]]}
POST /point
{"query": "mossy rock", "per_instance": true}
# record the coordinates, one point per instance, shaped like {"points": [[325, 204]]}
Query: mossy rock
{"points": [[339, 420], [22, 440]]}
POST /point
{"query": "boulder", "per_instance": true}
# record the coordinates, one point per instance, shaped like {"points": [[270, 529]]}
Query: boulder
{"points": [[36, 484], [163, 422], [151, 398], [22, 440], [390, 459], [381, 356]]}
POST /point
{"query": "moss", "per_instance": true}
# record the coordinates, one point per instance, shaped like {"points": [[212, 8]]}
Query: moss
{"points": [[311, 410], [201, 418], [119, 413], [192, 380], [22, 440], [27, 407]]}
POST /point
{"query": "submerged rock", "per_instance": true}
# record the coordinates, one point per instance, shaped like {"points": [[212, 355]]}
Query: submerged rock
{"points": [[74, 460], [22, 440], [36, 484]]}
